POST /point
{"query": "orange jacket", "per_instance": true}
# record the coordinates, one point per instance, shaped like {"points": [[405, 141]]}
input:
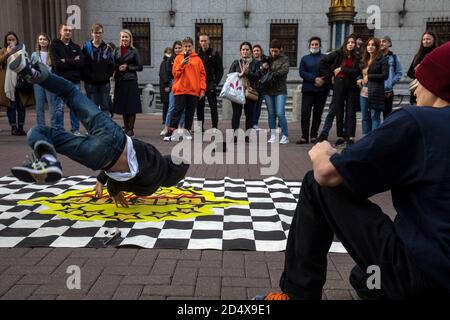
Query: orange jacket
{"points": [[189, 79]]}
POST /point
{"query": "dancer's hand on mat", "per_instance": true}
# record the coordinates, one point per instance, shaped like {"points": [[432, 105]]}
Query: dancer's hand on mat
{"points": [[120, 200], [99, 190]]}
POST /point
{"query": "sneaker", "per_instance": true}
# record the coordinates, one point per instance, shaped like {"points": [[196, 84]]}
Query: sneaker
{"points": [[302, 141], [77, 133], [187, 135], [339, 142], [163, 133], [273, 296], [22, 64], [272, 139], [284, 140], [314, 140], [40, 171], [168, 136]]}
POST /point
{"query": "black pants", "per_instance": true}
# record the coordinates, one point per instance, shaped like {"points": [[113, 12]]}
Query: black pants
{"points": [[312, 102], [176, 171], [345, 97], [237, 113], [185, 103], [212, 102], [364, 230], [388, 102]]}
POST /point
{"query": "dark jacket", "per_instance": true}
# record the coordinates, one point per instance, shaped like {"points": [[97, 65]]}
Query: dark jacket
{"points": [[164, 81], [213, 66], [98, 63], [333, 61], [309, 71], [71, 68], [132, 59], [253, 74], [154, 171], [280, 69], [411, 71], [378, 73]]}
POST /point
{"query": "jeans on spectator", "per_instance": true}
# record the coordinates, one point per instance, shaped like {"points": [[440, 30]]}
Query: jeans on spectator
{"points": [[41, 96], [58, 114], [366, 115], [105, 141], [16, 112], [257, 111], [99, 94], [276, 108], [172, 108]]}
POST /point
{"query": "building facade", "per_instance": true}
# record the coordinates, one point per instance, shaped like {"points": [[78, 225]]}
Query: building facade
{"points": [[157, 23]]}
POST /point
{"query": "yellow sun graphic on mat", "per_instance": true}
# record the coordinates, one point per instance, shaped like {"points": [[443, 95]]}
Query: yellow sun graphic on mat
{"points": [[165, 204]]}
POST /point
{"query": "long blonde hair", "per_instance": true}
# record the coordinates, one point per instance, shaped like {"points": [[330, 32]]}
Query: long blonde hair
{"points": [[128, 32], [39, 48]]}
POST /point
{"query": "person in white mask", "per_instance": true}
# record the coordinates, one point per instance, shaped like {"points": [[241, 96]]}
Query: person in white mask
{"points": [[314, 92]]}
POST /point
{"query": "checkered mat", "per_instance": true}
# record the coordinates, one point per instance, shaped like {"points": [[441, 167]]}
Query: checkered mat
{"points": [[228, 214]]}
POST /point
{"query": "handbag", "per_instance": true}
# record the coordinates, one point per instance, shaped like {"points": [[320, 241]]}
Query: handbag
{"points": [[267, 79], [233, 89], [251, 94]]}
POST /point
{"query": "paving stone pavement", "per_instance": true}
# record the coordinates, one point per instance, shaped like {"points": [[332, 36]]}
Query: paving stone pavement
{"points": [[131, 274]]}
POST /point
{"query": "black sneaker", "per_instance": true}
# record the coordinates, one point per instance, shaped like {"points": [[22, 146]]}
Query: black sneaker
{"points": [[339, 142], [40, 171]]}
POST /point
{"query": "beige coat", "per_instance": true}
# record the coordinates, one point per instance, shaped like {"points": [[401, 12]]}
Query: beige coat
{"points": [[26, 99]]}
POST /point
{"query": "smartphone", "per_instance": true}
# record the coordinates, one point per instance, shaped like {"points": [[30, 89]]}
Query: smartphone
{"points": [[186, 55]]}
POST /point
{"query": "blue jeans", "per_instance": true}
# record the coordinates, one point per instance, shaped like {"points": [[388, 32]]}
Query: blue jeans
{"points": [[366, 115], [106, 139], [16, 112], [41, 96], [371, 119], [257, 112], [276, 108], [172, 108], [58, 115], [99, 94]]}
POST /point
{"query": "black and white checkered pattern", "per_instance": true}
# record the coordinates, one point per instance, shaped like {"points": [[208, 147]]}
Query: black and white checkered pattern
{"points": [[263, 225]]}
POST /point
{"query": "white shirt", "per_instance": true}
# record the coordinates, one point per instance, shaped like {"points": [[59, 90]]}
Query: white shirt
{"points": [[44, 57], [132, 163]]}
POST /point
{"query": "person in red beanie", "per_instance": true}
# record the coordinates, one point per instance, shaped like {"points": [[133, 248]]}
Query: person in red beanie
{"points": [[408, 155]]}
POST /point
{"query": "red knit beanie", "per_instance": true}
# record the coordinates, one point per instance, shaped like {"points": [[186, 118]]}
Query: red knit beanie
{"points": [[434, 72]]}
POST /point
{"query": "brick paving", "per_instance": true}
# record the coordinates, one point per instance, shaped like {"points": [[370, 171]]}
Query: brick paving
{"points": [[150, 274]]}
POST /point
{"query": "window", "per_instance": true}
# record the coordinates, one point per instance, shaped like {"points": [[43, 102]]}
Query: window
{"points": [[361, 30], [141, 37], [287, 33], [441, 28], [215, 33]]}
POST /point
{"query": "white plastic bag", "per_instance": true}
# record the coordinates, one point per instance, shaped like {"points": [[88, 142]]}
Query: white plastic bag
{"points": [[233, 89]]}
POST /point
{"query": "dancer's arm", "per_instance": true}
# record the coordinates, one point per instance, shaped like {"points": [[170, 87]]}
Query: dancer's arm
{"points": [[324, 171]]}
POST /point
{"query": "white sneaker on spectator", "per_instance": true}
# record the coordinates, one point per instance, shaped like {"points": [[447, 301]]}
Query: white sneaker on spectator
{"points": [[77, 133], [284, 140], [273, 137], [164, 132]]}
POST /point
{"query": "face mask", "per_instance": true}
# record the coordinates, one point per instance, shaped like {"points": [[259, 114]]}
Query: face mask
{"points": [[314, 50]]}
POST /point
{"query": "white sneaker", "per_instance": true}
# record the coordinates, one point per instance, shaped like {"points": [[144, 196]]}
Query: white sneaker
{"points": [[77, 133], [272, 139], [164, 132], [187, 135], [284, 140]]}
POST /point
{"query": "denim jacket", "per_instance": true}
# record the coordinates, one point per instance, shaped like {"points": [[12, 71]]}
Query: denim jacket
{"points": [[395, 72]]}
